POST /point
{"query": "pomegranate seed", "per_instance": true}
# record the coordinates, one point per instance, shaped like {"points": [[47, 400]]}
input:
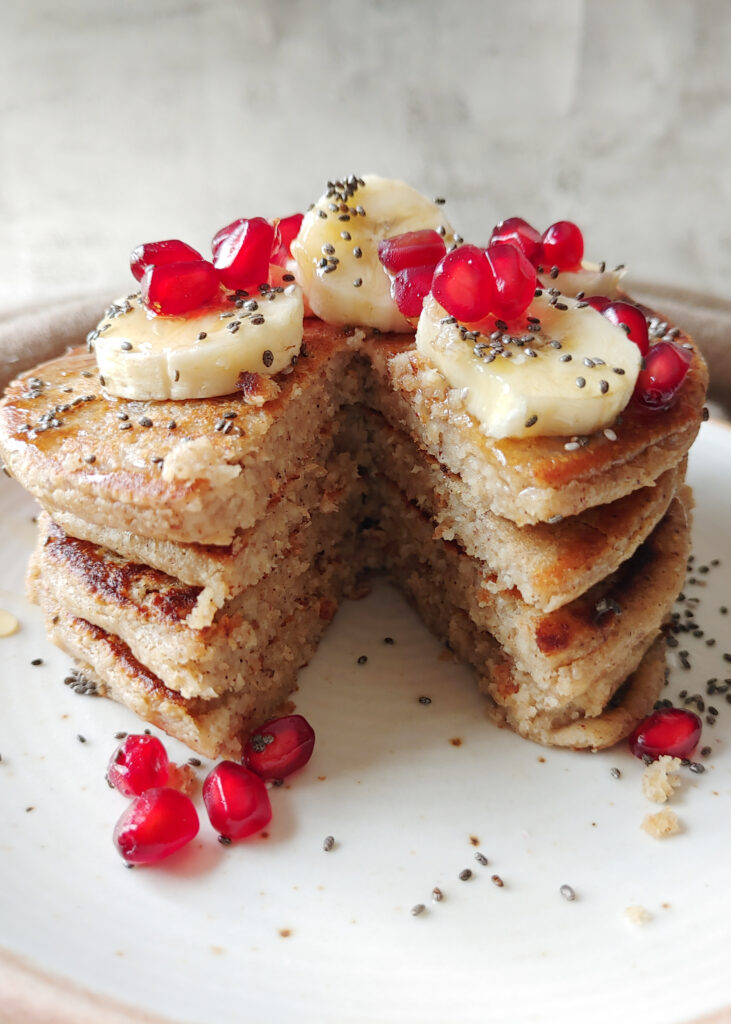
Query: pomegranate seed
{"points": [[241, 252], [563, 245], [410, 287], [627, 315], [672, 731], [156, 824], [280, 747], [153, 254], [514, 280], [172, 289], [139, 763], [236, 800], [518, 232], [664, 371], [412, 249], [463, 284], [286, 230], [597, 302]]}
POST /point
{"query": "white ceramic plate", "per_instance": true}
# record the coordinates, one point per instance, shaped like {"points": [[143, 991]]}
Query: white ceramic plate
{"points": [[278, 930]]}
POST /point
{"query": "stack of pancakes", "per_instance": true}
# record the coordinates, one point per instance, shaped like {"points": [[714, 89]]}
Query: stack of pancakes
{"points": [[191, 554]]}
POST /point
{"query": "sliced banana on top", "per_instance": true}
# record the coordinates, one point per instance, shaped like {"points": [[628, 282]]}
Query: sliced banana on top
{"points": [[592, 279], [200, 355], [337, 248], [572, 377]]}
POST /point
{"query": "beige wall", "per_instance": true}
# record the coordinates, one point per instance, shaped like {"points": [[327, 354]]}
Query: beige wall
{"points": [[129, 120]]}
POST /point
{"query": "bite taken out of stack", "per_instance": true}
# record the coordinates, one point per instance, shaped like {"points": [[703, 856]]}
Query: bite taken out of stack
{"points": [[216, 479]]}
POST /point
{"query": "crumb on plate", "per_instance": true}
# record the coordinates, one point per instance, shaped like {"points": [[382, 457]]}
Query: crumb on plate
{"points": [[662, 824], [660, 779]]}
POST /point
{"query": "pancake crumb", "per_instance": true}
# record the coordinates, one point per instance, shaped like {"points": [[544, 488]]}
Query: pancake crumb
{"points": [[661, 825], [637, 915], [8, 623], [660, 779]]}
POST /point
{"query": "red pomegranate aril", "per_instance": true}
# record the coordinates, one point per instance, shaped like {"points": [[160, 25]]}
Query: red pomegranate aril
{"points": [[173, 289], [463, 284], [597, 302], [563, 246], [237, 800], [411, 249], [280, 747], [659, 381], [410, 287], [518, 232], [155, 825], [629, 316], [242, 256], [673, 731], [514, 280], [153, 254], [286, 230], [140, 762]]}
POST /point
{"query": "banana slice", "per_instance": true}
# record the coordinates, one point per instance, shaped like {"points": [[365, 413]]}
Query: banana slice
{"points": [[337, 249], [592, 279], [144, 356], [572, 377]]}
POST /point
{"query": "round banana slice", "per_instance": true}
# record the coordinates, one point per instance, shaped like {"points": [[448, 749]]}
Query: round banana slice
{"points": [[592, 279], [337, 249], [572, 377], [201, 355]]}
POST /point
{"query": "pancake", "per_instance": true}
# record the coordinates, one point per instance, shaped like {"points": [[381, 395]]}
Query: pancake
{"points": [[537, 479], [189, 471]]}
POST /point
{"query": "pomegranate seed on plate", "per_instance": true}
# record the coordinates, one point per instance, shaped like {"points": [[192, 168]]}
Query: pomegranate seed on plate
{"points": [[280, 747], [666, 365], [155, 824], [410, 287], [286, 230], [241, 252], [518, 232], [172, 289], [597, 302], [629, 316], [673, 731], [139, 763], [514, 280], [153, 254], [411, 249], [236, 800], [563, 245], [463, 284]]}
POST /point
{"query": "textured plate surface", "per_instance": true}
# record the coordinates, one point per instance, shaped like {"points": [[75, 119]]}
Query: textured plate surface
{"points": [[277, 929]]}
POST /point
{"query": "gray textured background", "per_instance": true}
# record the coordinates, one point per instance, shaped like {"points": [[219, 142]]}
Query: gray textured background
{"points": [[132, 120]]}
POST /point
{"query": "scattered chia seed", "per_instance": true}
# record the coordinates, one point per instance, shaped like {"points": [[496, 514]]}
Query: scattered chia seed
{"points": [[80, 738], [568, 893], [267, 356], [425, 700], [419, 908], [362, 659], [328, 843], [437, 895], [194, 762], [706, 752], [696, 767], [497, 880], [37, 661], [224, 840], [615, 773], [465, 875], [389, 640], [481, 858], [120, 735]]}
